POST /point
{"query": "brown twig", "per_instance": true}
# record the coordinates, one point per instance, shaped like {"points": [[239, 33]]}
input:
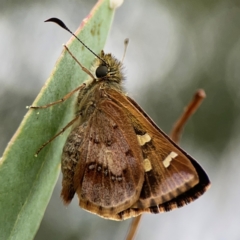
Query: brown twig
{"points": [[133, 227], [175, 136], [188, 112]]}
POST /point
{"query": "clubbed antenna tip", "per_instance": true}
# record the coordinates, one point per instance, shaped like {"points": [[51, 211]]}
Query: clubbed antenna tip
{"points": [[62, 24]]}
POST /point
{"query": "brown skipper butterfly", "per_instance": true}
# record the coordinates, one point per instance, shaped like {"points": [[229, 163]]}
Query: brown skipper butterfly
{"points": [[116, 158]]}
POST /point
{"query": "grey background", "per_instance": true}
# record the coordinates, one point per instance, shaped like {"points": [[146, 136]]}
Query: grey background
{"points": [[175, 48]]}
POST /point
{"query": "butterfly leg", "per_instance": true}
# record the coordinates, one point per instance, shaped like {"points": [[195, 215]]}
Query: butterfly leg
{"points": [[60, 100], [82, 67], [73, 91], [50, 140]]}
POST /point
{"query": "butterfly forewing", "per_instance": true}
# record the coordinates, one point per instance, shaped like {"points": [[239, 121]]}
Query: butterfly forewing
{"points": [[172, 177], [109, 173], [165, 183]]}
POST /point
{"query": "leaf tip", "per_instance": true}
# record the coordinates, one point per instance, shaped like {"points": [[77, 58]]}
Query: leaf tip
{"points": [[115, 4]]}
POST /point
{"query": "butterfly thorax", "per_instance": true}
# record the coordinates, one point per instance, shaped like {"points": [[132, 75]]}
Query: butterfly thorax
{"points": [[94, 92]]}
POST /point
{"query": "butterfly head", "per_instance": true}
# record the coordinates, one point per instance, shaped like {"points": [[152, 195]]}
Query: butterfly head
{"points": [[109, 68]]}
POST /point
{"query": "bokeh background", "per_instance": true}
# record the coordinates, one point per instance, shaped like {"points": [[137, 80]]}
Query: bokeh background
{"points": [[175, 48]]}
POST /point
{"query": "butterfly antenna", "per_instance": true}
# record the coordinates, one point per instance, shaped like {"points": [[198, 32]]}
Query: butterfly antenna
{"points": [[62, 24], [126, 42]]}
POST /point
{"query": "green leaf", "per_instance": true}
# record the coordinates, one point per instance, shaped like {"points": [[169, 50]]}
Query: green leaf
{"points": [[27, 182]]}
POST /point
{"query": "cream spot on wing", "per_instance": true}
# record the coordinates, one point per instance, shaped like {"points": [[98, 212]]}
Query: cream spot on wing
{"points": [[108, 158], [91, 166], [169, 158], [147, 165], [112, 166], [119, 179], [142, 139]]}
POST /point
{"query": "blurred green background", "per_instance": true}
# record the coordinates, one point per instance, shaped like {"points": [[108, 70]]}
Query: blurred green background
{"points": [[175, 48]]}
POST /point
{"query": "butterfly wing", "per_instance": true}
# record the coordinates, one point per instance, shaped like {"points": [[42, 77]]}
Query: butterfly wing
{"points": [[122, 165], [109, 174], [172, 178]]}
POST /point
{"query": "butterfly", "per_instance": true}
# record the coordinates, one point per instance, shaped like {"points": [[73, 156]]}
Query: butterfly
{"points": [[116, 159]]}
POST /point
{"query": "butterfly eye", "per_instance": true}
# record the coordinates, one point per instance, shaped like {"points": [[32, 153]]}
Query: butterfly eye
{"points": [[101, 71]]}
